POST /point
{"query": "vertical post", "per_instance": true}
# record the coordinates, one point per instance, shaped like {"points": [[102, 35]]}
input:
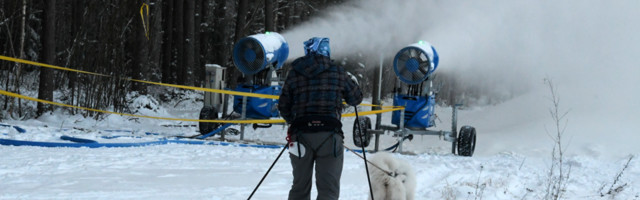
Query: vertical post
{"points": [[454, 127], [225, 104], [377, 141], [243, 116], [377, 92], [401, 129]]}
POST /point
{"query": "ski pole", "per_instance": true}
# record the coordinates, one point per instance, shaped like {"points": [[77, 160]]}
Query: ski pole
{"points": [[265, 175], [364, 154]]}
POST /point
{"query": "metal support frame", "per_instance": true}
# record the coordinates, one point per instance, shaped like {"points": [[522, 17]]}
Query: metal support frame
{"points": [[401, 131], [269, 81]]}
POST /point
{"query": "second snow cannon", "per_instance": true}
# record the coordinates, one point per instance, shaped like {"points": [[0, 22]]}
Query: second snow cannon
{"points": [[255, 53], [414, 65]]}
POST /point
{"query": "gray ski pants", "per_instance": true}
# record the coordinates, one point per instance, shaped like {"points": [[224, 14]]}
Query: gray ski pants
{"points": [[326, 151]]}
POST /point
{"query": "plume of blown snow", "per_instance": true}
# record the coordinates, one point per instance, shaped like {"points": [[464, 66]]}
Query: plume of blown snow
{"points": [[586, 46]]}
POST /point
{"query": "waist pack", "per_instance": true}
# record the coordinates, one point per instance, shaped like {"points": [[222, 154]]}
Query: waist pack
{"points": [[312, 124]]}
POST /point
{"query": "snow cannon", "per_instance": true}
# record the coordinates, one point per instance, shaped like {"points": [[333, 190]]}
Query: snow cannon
{"points": [[414, 63], [257, 52], [258, 57]]}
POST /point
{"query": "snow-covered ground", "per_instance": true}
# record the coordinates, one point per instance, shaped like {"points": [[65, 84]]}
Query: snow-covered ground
{"points": [[588, 48], [512, 158]]}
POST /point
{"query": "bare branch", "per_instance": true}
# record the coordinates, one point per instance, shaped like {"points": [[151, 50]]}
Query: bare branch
{"points": [[558, 173], [614, 189]]}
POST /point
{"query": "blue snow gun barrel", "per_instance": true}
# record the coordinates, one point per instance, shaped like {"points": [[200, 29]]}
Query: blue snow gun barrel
{"points": [[414, 63], [254, 53]]}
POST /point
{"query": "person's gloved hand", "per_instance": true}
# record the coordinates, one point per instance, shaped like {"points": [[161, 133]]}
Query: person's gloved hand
{"points": [[288, 138]]}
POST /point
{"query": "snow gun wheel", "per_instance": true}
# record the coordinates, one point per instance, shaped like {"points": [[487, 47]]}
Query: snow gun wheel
{"points": [[365, 124], [466, 141], [208, 112]]}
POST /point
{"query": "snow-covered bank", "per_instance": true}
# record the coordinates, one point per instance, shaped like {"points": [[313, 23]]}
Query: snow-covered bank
{"points": [[215, 172], [511, 161]]}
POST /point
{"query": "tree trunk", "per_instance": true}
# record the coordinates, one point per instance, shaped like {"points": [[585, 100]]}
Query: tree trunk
{"points": [[45, 89], [288, 21], [77, 8], [18, 67], [155, 34], [189, 47], [179, 41], [298, 12], [268, 15], [167, 45], [198, 67], [140, 51], [241, 21], [220, 33], [221, 36], [205, 43], [280, 12]]}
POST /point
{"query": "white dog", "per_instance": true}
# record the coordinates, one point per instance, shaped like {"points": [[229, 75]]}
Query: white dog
{"points": [[400, 184]]}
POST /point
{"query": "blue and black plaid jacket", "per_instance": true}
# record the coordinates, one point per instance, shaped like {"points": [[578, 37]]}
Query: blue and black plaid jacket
{"points": [[316, 87]]}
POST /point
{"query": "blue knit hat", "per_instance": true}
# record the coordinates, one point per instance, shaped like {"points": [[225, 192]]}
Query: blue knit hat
{"points": [[317, 45]]}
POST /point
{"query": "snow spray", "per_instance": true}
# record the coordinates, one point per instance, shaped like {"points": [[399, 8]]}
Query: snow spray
{"points": [[504, 47]]}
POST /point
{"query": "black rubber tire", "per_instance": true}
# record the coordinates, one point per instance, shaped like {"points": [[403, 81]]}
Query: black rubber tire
{"points": [[208, 112], [466, 141], [365, 123]]}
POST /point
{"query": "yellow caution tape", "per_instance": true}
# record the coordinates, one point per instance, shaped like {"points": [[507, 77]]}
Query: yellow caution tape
{"points": [[266, 96], [48, 66], [145, 23], [266, 121], [371, 112], [252, 121], [381, 106]]}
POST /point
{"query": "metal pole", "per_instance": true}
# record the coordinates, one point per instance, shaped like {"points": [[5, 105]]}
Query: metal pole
{"points": [[454, 127], [377, 142], [225, 104], [401, 129], [364, 152], [377, 99], [243, 116]]}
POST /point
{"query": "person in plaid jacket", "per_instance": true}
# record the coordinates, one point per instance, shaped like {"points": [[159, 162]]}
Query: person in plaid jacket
{"points": [[311, 102]]}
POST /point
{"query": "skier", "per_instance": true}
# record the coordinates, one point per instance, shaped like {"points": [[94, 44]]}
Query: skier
{"points": [[311, 102]]}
